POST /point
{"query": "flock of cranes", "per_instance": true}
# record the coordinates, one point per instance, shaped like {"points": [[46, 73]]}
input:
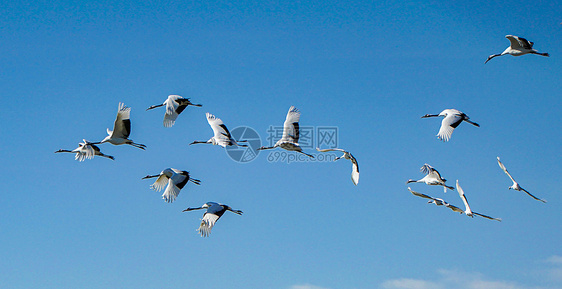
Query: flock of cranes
{"points": [[452, 118], [172, 181], [433, 178]]}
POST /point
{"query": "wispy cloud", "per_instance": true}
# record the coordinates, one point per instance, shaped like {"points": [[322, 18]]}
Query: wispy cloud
{"points": [[306, 286], [446, 278], [453, 279], [555, 259], [555, 272], [406, 283]]}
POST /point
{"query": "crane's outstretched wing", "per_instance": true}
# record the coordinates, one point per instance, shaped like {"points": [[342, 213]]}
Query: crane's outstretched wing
{"points": [[521, 42], [291, 125], [213, 214], [175, 184], [448, 124], [487, 217], [427, 169], [122, 125], [221, 133], [454, 208], [514, 42], [171, 110], [420, 194], [354, 170], [467, 210], [160, 183], [505, 170], [544, 201], [84, 151]]}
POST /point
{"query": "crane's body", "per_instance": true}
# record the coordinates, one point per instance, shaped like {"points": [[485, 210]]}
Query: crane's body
{"points": [[432, 178], [451, 119], [211, 216], [221, 135], [175, 105], [290, 139], [121, 129], [173, 180], [86, 150]]}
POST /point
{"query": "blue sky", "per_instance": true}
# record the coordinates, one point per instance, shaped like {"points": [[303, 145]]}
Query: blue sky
{"points": [[369, 69]]}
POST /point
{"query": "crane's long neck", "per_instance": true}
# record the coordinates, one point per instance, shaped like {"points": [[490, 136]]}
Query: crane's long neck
{"points": [[200, 141], [494, 55], [413, 181], [64, 151], [155, 106], [149, 176]]}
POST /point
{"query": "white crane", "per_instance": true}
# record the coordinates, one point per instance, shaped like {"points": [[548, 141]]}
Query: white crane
{"points": [[221, 135], [290, 138], [452, 119], [86, 150], [175, 104], [518, 46], [346, 155], [175, 179], [432, 178], [121, 129], [516, 185], [211, 216]]}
